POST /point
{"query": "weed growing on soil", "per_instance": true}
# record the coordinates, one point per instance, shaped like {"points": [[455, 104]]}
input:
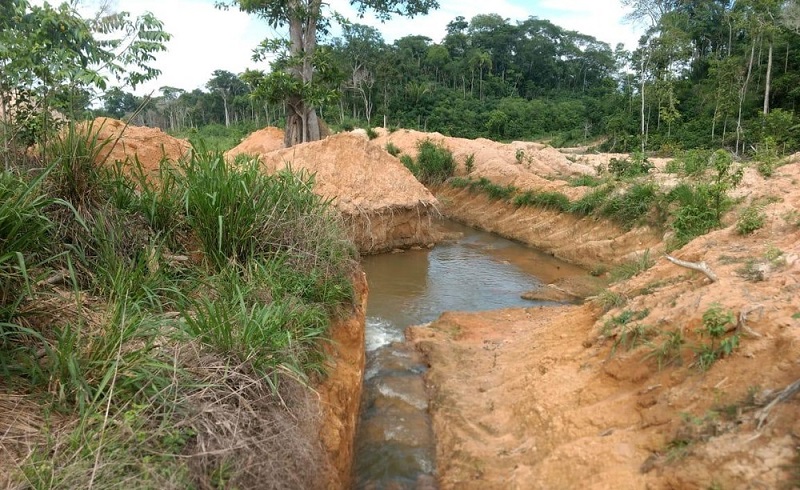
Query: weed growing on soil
{"points": [[627, 168], [630, 269], [591, 201], [585, 181], [548, 200], [371, 133], [715, 324], [609, 300], [392, 149], [469, 163], [751, 219], [623, 319], [434, 163], [630, 206], [668, 352]]}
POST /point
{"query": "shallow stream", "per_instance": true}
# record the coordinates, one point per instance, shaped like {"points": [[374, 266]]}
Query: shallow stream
{"points": [[478, 271]]}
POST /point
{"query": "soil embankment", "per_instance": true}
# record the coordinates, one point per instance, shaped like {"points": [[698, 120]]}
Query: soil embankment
{"points": [[383, 205], [340, 391], [579, 397], [529, 167]]}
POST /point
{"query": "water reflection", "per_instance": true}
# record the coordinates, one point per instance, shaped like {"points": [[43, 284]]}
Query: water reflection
{"points": [[479, 271]]}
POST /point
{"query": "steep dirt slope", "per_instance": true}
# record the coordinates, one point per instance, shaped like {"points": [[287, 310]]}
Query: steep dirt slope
{"points": [[529, 166], [575, 397], [383, 204]]}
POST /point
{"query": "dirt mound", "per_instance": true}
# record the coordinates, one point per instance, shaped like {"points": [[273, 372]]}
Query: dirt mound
{"points": [[524, 165], [575, 397], [149, 145], [260, 142], [383, 204]]}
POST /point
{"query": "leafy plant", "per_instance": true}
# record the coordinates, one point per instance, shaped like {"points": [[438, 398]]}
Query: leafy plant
{"points": [[392, 149], [469, 163], [751, 219], [434, 164], [715, 324], [550, 200], [371, 133], [637, 165]]}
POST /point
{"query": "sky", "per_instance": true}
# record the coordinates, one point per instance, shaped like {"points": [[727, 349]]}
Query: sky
{"points": [[205, 39]]}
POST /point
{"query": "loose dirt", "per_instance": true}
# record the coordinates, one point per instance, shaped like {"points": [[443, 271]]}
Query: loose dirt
{"points": [[555, 398], [128, 144], [384, 206]]}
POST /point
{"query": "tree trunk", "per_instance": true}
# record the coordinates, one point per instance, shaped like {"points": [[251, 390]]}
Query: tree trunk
{"points": [[302, 123], [742, 95], [767, 84]]}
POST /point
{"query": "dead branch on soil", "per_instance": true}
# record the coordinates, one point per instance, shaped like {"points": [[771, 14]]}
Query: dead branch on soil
{"points": [[696, 266], [742, 324], [782, 396]]}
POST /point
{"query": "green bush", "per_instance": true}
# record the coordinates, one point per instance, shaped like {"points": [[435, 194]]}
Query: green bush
{"points": [[629, 207], [626, 168], [585, 181], [392, 149], [751, 219], [434, 164], [591, 201], [550, 200]]}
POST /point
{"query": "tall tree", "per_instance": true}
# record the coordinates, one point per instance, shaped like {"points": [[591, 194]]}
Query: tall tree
{"points": [[304, 19]]}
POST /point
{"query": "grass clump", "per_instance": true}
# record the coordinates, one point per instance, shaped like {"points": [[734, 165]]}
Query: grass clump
{"points": [[591, 201], [716, 322], [392, 149], [550, 200], [632, 268], [138, 315], [434, 163], [625, 168], [630, 206], [751, 219], [585, 181]]}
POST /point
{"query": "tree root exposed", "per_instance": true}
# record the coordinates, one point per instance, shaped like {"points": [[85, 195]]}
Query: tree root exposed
{"points": [[697, 266], [782, 396]]}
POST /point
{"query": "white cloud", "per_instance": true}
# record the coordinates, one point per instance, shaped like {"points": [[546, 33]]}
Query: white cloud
{"points": [[599, 18]]}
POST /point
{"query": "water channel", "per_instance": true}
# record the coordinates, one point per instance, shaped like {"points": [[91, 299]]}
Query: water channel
{"points": [[475, 271]]}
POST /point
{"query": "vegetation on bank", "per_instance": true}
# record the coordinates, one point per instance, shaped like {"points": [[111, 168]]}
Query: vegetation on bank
{"points": [[625, 194], [134, 309]]}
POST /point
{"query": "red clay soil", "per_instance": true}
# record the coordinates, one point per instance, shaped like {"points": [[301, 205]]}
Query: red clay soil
{"points": [[149, 145], [383, 205], [575, 397], [259, 142], [340, 392]]}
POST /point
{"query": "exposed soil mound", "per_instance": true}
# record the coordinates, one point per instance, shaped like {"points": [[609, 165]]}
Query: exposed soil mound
{"points": [[639, 396], [524, 165], [126, 143], [383, 204], [259, 142]]}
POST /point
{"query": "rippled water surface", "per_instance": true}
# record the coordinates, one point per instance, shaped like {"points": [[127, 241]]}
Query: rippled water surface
{"points": [[478, 271]]}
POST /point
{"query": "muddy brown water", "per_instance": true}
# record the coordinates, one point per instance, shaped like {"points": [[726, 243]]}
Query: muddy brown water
{"points": [[474, 272]]}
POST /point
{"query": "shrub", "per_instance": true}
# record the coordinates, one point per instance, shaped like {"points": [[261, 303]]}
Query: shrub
{"points": [[630, 206], [392, 149], [715, 325], [584, 181], [751, 219], [625, 168], [469, 163], [551, 200], [591, 201], [435, 163], [371, 133]]}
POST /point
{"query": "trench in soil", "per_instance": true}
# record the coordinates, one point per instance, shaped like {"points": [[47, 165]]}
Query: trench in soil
{"points": [[394, 445]]}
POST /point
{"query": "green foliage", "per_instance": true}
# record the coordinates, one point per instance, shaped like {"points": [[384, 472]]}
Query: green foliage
{"points": [[591, 201], [668, 352], [608, 300], [630, 269], [469, 163], [751, 219], [371, 133], [627, 168], [217, 137], [585, 181], [392, 149], [434, 164], [767, 157], [716, 322], [629, 207], [549, 200]]}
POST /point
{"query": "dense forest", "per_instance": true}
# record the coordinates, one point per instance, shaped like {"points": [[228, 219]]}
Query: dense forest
{"points": [[706, 74]]}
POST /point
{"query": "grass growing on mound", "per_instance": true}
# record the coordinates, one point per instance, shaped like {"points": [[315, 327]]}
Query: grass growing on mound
{"points": [[434, 163], [138, 317]]}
